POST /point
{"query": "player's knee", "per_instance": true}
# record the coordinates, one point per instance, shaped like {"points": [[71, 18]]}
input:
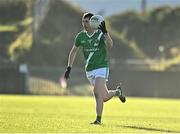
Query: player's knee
{"points": [[101, 95], [105, 99]]}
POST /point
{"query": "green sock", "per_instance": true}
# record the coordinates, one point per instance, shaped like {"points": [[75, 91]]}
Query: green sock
{"points": [[117, 93], [98, 118]]}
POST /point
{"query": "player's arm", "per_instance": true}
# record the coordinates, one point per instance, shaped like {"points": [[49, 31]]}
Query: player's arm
{"points": [[72, 56], [108, 40]]}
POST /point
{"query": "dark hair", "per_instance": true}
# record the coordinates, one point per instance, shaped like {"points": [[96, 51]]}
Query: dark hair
{"points": [[87, 15]]}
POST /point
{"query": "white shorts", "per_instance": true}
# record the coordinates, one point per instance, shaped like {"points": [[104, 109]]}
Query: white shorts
{"points": [[100, 72]]}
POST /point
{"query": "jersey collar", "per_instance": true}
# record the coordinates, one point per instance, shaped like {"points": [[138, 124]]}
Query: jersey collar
{"points": [[91, 34]]}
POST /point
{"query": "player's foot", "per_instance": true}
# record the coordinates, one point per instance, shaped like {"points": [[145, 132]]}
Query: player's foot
{"points": [[96, 122], [121, 96]]}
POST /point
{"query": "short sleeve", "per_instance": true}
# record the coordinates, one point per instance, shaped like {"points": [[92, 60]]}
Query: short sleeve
{"points": [[77, 41]]}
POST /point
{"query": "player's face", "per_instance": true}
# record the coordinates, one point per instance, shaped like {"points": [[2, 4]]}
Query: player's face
{"points": [[85, 23]]}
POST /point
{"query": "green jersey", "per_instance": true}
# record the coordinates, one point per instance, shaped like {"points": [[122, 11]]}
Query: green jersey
{"points": [[94, 49]]}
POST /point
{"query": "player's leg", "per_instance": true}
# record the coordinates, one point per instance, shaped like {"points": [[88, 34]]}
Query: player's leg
{"points": [[98, 79], [120, 94], [102, 89], [108, 94], [99, 100], [99, 107], [101, 95]]}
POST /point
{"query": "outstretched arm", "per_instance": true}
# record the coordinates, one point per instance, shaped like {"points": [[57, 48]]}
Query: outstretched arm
{"points": [[72, 56]]}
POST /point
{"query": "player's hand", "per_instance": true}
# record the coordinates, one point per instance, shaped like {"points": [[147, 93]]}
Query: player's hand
{"points": [[102, 27], [67, 73]]}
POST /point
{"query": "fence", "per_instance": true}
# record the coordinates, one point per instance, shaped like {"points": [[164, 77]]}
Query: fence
{"points": [[14, 79], [47, 80]]}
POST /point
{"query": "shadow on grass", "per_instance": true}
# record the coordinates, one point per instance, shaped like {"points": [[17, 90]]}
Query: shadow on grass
{"points": [[151, 129]]}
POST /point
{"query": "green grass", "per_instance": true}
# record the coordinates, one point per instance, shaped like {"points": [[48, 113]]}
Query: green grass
{"points": [[40, 114]]}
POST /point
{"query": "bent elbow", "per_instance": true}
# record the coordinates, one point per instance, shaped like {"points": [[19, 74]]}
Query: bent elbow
{"points": [[110, 44]]}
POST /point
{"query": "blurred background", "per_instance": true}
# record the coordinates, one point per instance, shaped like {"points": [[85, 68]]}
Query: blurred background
{"points": [[37, 35]]}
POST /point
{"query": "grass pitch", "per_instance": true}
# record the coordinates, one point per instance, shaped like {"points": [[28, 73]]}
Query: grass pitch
{"points": [[50, 114]]}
